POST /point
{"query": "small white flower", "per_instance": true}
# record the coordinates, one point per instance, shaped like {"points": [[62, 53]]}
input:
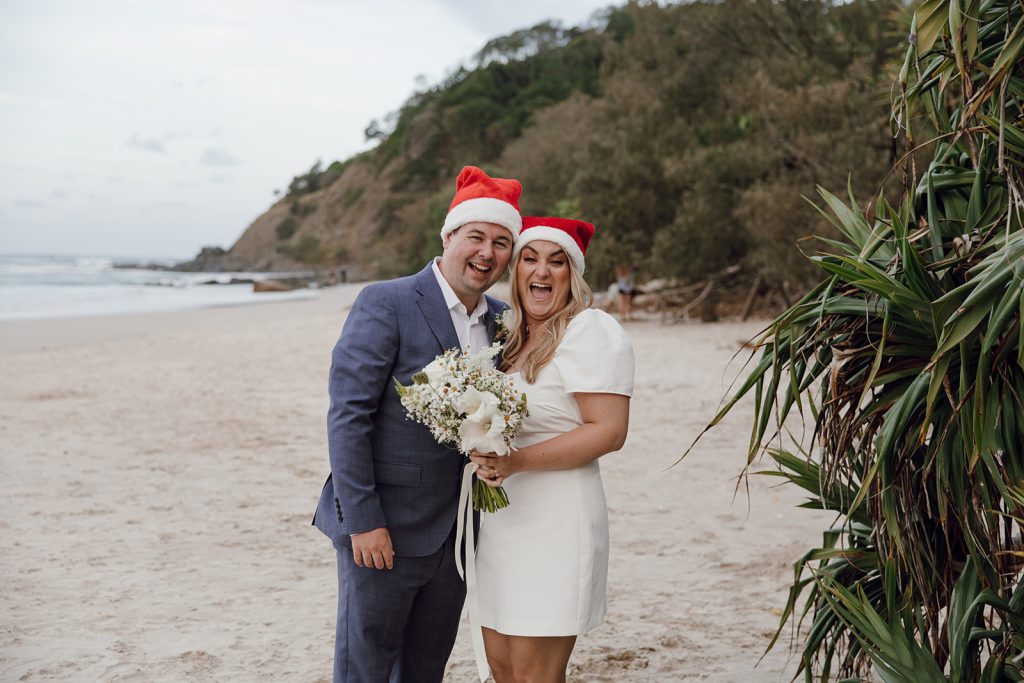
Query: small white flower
{"points": [[507, 318], [483, 362], [505, 322]]}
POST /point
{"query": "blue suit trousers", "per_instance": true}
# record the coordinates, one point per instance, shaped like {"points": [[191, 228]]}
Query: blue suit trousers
{"points": [[397, 625]]}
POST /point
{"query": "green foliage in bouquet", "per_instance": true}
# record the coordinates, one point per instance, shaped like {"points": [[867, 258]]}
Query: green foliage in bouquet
{"points": [[909, 360]]}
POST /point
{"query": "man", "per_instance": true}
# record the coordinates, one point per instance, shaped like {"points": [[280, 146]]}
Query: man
{"points": [[390, 503]]}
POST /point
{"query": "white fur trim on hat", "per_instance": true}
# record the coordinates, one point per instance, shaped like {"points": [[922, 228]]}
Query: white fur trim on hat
{"points": [[559, 237], [483, 210]]}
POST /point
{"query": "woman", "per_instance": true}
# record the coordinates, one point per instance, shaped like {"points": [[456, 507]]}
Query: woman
{"points": [[626, 286], [542, 562]]}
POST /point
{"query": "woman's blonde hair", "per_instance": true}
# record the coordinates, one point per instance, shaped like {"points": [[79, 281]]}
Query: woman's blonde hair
{"points": [[552, 329]]}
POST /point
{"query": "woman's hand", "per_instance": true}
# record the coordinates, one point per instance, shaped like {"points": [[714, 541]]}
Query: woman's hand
{"points": [[493, 469], [605, 424]]}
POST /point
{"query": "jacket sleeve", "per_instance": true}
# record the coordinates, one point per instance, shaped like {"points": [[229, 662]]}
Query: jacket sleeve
{"points": [[361, 367]]}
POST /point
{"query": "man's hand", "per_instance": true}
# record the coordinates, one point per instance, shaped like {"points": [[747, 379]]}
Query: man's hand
{"points": [[372, 549]]}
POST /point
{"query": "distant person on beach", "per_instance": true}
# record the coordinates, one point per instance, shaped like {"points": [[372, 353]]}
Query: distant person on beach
{"points": [[390, 503], [625, 285], [542, 562]]}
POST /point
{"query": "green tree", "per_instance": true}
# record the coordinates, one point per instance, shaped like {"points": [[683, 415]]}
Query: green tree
{"points": [[909, 359], [710, 121], [308, 251], [286, 228]]}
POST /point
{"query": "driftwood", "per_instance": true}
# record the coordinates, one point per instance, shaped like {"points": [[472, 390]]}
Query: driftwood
{"points": [[666, 302], [748, 304], [700, 298], [675, 304]]}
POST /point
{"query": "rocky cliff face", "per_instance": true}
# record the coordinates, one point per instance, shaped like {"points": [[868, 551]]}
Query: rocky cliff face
{"points": [[336, 227]]}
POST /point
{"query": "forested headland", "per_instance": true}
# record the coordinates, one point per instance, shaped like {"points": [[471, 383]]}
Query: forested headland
{"points": [[690, 134]]}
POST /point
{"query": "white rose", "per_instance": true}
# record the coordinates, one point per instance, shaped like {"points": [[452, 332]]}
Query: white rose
{"points": [[437, 373]]}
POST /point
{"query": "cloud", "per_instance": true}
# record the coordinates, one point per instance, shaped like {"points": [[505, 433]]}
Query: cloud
{"points": [[174, 135], [80, 58], [216, 156], [59, 193], [149, 144]]}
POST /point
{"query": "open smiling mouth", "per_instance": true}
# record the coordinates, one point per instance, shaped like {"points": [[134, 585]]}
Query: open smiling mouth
{"points": [[483, 270], [540, 292]]}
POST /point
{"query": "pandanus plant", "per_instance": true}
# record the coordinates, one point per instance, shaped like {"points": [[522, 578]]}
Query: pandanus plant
{"points": [[908, 359]]}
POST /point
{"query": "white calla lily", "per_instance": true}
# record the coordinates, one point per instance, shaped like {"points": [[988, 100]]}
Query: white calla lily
{"points": [[484, 424], [484, 435], [476, 404]]}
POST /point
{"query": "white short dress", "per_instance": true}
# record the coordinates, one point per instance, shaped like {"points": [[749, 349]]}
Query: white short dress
{"points": [[542, 562]]}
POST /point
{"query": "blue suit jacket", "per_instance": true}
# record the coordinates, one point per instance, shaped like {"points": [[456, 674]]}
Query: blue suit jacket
{"points": [[386, 470]]}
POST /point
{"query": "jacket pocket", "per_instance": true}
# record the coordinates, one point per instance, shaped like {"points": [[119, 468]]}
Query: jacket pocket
{"points": [[396, 474]]}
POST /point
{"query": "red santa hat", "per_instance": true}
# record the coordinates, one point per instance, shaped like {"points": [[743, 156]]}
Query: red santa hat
{"points": [[481, 198], [571, 235]]}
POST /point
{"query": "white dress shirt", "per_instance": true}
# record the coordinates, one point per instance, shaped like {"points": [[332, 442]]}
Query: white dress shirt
{"points": [[468, 326]]}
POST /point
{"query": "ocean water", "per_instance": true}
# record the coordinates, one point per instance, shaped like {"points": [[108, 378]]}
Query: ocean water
{"points": [[39, 286]]}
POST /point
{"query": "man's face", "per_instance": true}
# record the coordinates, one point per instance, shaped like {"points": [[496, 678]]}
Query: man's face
{"points": [[475, 256]]}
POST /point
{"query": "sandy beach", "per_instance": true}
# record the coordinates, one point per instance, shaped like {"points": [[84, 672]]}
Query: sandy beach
{"points": [[160, 472]]}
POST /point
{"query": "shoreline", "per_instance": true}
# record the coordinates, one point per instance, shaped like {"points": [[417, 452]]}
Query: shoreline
{"points": [[52, 287], [28, 334], [20, 335]]}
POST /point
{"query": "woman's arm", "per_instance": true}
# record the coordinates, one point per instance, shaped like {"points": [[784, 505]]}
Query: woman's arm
{"points": [[605, 423]]}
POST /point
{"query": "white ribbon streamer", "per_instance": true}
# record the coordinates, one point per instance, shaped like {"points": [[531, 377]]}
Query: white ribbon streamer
{"points": [[464, 524]]}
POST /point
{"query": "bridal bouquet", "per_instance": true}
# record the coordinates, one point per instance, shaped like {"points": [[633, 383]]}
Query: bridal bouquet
{"points": [[468, 403]]}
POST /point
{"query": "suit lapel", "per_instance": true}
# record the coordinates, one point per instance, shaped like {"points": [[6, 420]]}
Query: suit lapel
{"points": [[431, 303]]}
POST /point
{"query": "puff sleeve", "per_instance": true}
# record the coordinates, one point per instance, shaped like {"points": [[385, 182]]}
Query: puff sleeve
{"points": [[595, 355]]}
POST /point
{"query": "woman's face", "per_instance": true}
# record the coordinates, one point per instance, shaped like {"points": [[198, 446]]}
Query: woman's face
{"points": [[542, 280]]}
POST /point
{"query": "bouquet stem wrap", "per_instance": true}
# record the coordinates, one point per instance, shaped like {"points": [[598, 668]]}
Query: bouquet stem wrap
{"points": [[464, 525]]}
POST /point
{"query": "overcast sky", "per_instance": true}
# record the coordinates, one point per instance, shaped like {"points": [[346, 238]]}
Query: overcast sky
{"points": [[142, 128]]}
